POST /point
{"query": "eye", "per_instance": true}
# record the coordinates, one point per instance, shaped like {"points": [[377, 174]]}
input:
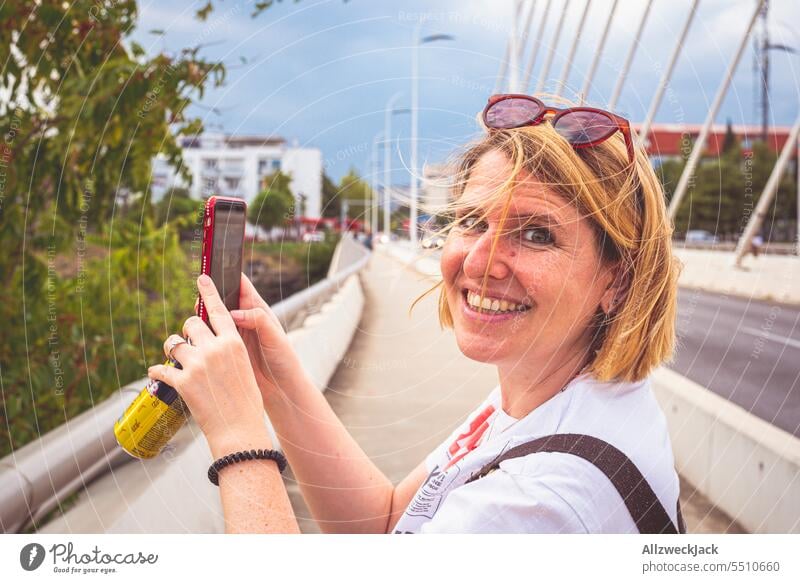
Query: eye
{"points": [[537, 236], [472, 223]]}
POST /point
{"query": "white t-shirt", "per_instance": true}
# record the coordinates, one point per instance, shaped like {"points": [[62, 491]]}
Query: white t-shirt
{"points": [[545, 492]]}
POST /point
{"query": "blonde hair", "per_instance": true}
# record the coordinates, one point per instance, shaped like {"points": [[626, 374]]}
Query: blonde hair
{"points": [[626, 207]]}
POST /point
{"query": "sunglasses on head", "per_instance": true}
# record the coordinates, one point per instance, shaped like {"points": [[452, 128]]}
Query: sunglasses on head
{"points": [[582, 127]]}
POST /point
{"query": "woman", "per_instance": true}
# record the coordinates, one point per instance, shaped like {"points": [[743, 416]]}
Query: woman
{"points": [[557, 269]]}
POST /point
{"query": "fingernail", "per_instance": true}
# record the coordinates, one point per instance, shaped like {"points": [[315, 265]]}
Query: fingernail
{"points": [[237, 315], [204, 280]]}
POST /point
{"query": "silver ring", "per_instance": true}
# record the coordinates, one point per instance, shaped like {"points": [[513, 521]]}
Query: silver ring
{"points": [[174, 344]]}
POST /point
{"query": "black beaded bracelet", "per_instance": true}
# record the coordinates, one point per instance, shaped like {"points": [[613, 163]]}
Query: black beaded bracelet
{"points": [[253, 454]]}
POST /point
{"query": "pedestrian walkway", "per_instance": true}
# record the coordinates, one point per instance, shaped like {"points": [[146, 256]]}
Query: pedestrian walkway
{"points": [[773, 278], [403, 385]]}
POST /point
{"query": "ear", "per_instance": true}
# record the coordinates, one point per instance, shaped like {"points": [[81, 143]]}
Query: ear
{"points": [[617, 289]]}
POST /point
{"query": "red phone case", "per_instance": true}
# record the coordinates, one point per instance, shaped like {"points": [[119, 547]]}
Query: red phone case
{"points": [[208, 238]]}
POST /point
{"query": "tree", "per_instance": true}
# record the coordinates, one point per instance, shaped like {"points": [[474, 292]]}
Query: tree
{"points": [[274, 206], [83, 111], [353, 188], [730, 141], [724, 191], [781, 220], [331, 204], [179, 209]]}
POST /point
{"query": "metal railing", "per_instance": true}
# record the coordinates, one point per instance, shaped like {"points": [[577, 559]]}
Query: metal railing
{"points": [[40, 475]]}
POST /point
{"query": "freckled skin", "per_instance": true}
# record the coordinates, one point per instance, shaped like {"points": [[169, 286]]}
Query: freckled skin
{"points": [[565, 283]]}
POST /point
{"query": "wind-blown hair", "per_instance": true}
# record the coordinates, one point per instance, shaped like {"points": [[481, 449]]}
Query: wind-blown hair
{"points": [[626, 207]]}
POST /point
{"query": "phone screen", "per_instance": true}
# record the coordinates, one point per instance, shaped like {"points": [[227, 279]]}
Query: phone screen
{"points": [[226, 254]]}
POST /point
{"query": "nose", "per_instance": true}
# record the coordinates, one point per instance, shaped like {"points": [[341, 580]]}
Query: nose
{"points": [[478, 251]]}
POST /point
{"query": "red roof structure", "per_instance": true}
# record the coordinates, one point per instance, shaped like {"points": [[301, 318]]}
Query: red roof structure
{"points": [[668, 140]]}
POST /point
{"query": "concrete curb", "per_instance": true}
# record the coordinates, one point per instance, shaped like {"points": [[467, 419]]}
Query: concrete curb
{"points": [[747, 467]]}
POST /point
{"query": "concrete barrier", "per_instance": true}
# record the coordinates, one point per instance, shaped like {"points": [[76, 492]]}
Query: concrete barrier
{"points": [[170, 493], [746, 466], [324, 337], [163, 495]]}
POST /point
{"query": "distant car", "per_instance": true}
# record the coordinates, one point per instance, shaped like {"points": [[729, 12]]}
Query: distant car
{"points": [[433, 243], [700, 236], [313, 237]]}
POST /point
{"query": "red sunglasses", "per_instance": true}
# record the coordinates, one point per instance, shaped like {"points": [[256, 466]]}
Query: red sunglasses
{"points": [[580, 126]]}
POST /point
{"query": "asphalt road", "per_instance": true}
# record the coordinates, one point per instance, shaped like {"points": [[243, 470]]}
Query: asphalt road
{"points": [[744, 350]]}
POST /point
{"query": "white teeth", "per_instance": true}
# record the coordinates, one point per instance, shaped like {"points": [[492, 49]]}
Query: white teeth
{"points": [[490, 304]]}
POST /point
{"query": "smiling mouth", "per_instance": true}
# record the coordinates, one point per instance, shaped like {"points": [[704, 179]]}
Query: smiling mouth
{"points": [[491, 305]]}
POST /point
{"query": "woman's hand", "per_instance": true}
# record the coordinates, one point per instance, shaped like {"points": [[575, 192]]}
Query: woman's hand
{"points": [[217, 380], [274, 361]]}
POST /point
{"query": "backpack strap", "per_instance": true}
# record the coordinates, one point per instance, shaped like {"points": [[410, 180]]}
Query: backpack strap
{"points": [[644, 506]]}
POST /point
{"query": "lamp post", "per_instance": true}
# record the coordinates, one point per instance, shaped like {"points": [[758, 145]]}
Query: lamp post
{"points": [[414, 122], [373, 205], [387, 159]]}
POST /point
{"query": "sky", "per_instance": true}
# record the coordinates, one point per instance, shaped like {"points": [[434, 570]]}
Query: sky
{"points": [[320, 72]]}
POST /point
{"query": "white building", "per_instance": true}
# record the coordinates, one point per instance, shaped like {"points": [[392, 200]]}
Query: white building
{"points": [[237, 166], [437, 182]]}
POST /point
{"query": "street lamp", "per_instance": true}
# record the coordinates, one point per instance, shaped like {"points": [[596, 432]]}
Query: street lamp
{"points": [[414, 121], [387, 159], [373, 207], [369, 207]]}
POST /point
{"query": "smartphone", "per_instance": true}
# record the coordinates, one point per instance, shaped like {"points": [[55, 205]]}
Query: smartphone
{"points": [[223, 241]]}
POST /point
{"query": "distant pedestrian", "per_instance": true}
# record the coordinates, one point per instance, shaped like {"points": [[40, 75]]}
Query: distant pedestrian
{"points": [[756, 244], [557, 269]]}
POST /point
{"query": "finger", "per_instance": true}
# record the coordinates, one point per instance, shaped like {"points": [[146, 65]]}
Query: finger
{"points": [[197, 331], [179, 348], [196, 304], [248, 295], [169, 374], [218, 314], [256, 319]]}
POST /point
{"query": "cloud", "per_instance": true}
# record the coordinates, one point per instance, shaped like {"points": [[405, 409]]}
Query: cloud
{"points": [[321, 71]]}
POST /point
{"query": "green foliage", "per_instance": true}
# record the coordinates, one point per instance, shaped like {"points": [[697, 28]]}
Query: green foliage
{"points": [[183, 212], [92, 113], [91, 284], [353, 188], [331, 203], [316, 258], [275, 204], [80, 324], [310, 259], [723, 194], [729, 142]]}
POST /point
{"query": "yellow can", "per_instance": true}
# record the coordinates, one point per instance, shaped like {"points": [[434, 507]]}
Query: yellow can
{"points": [[154, 417]]}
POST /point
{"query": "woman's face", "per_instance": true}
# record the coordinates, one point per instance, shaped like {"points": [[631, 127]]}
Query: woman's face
{"points": [[544, 284]]}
